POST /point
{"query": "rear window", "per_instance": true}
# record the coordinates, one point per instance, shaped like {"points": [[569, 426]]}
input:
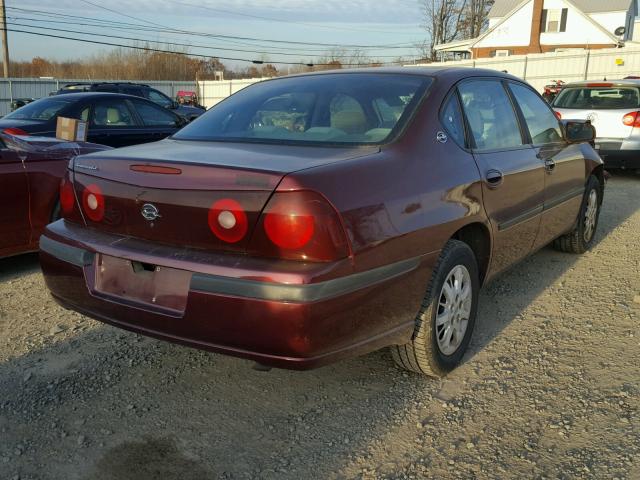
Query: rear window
{"points": [[598, 98], [43, 109], [341, 109]]}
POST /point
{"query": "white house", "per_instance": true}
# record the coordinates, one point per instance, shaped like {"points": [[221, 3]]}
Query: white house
{"points": [[519, 27]]}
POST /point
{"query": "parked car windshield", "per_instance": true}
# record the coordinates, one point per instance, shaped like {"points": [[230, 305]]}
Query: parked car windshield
{"points": [[43, 109], [341, 108], [598, 98]]}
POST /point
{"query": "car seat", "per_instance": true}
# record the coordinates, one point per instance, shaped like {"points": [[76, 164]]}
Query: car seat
{"points": [[113, 117], [476, 122], [352, 122]]}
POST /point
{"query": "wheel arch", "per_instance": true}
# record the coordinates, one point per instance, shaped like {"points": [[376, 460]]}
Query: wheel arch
{"points": [[599, 173], [478, 237]]}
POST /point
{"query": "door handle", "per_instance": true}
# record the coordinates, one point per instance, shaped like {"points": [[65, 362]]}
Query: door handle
{"points": [[549, 165], [494, 178]]}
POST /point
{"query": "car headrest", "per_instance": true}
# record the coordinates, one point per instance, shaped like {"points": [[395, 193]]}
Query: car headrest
{"points": [[113, 115], [349, 121]]}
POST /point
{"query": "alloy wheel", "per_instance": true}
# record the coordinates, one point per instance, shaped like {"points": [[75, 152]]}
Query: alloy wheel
{"points": [[454, 310], [591, 215]]}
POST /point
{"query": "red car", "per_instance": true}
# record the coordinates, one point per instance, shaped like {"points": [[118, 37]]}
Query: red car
{"points": [[31, 169], [311, 218]]}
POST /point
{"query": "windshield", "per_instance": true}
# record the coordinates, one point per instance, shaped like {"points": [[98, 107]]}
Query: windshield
{"points": [[353, 108], [598, 98], [43, 109]]}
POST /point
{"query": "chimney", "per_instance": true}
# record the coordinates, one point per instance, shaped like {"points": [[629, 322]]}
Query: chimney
{"points": [[536, 27]]}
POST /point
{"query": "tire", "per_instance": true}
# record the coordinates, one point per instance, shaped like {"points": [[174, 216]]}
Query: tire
{"points": [[425, 353], [580, 239]]}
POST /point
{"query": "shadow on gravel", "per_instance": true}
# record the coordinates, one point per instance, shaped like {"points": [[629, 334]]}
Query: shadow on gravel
{"points": [[14, 267], [508, 295], [132, 408]]}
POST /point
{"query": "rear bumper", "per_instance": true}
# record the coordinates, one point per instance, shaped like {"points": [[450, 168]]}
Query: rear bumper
{"points": [[277, 313], [619, 153]]}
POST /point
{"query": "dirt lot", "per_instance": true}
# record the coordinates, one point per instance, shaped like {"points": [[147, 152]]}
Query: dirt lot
{"points": [[550, 389]]}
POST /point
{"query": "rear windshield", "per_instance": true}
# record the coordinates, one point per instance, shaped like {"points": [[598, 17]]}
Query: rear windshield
{"points": [[337, 108], [43, 109], [598, 98]]}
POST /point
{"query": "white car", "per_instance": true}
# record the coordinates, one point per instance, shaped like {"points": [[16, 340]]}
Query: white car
{"points": [[613, 107]]}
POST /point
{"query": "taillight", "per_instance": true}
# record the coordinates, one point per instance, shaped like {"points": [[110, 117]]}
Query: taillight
{"points": [[558, 115], [300, 225], [93, 202], [632, 119], [67, 196], [15, 131], [228, 220], [68, 205]]}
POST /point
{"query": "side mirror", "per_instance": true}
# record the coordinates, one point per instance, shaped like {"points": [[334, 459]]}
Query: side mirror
{"points": [[579, 131]]}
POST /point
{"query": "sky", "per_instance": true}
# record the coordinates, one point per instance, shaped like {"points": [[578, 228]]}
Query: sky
{"points": [[395, 24]]}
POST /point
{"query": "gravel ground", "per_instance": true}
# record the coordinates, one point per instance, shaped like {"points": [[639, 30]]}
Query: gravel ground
{"points": [[550, 388]]}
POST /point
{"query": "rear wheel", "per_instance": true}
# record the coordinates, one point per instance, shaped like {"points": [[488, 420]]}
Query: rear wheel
{"points": [[580, 239], [446, 319]]}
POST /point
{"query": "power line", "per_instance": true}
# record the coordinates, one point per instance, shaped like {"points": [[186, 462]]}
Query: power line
{"points": [[157, 50], [229, 38], [184, 44], [236, 37], [273, 19]]}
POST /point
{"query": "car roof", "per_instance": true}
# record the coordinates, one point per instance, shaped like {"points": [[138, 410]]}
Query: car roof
{"points": [[79, 95], [450, 73], [80, 84], [604, 83]]}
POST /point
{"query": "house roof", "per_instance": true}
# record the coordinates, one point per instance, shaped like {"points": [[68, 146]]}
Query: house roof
{"points": [[503, 7], [522, 3]]}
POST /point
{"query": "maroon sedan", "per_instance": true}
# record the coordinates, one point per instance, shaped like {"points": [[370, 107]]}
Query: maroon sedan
{"points": [[312, 218], [31, 169]]}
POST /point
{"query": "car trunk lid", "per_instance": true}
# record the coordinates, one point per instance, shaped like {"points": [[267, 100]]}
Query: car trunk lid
{"points": [[164, 192], [608, 123]]}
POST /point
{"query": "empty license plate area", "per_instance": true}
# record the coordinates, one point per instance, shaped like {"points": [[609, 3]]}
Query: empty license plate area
{"points": [[152, 285]]}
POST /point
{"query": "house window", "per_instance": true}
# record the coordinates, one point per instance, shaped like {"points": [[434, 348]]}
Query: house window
{"points": [[554, 21], [499, 53]]}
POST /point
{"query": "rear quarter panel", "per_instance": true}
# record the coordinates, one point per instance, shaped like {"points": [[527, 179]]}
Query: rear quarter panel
{"points": [[405, 201], [45, 171]]}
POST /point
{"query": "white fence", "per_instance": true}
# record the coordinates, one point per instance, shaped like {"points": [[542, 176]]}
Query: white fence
{"points": [[537, 69], [214, 91], [540, 68]]}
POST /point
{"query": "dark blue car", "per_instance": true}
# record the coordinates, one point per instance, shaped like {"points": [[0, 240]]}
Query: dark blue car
{"points": [[113, 119], [190, 112]]}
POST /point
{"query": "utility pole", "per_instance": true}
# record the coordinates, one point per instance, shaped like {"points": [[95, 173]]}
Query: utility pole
{"points": [[5, 44]]}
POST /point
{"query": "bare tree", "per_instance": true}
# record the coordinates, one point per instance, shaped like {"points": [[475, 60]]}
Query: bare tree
{"points": [[474, 17], [441, 21], [449, 20]]}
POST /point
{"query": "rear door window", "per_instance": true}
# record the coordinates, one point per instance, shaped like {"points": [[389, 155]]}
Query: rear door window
{"points": [[541, 121], [451, 118], [135, 91], [492, 119], [159, 98], [598, 98], [113, 113], [154, 115]]}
